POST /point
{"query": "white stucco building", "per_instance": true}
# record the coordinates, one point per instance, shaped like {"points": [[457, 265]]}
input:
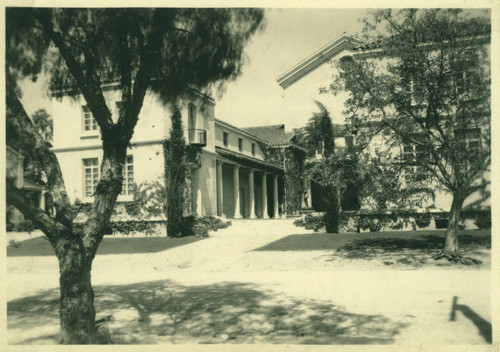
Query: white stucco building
{"points": [[233, 179], [302, 85]]}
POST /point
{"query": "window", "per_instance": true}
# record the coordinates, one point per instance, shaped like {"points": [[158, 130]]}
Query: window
{"points": [[128, 176], [91, 176], [464, 72], [191, 116], [413, 154], [469, 141], [225, 138], [461, 81], [253, 149], [240, 144], [89, 123]]}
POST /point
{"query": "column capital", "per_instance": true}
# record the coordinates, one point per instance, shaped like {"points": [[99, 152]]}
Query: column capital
{"points": [[219, 162]]}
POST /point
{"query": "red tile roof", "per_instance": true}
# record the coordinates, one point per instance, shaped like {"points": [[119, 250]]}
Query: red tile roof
{"points": [[275, 135]]}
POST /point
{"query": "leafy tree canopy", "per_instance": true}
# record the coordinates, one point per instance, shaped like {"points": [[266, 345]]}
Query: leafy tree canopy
{"points": [[423, 83], [425, 79]]}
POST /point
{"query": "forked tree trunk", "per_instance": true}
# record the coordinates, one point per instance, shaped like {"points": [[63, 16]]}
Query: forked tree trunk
{"points": [[451, 243], [77, 312]]}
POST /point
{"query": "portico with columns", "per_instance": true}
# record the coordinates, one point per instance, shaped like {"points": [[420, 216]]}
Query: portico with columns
{"points": [[247, 191]]}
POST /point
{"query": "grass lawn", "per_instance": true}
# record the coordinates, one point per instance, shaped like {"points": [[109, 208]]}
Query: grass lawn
{"points": [[40, 246], [395, 247]]}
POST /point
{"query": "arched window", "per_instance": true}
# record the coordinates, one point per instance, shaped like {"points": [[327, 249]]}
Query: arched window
{"points": [[191, 116]]}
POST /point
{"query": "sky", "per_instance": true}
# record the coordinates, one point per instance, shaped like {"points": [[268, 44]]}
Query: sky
{"points": [[290, 36]]}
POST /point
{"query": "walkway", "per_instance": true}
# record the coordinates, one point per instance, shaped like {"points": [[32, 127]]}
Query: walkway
{"points": [[227, 292]]}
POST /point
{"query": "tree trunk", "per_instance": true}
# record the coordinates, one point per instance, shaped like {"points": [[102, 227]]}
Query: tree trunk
{"points": [[332, 216], [451, 243], [77, 312]]}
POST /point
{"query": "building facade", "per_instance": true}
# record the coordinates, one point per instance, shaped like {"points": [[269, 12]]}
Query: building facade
{"points": [[233, 179], [302, 85]]}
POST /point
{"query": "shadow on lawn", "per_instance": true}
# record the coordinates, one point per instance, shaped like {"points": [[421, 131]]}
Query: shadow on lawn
{"points": [[163, 311], [40, 246], [368, 248]]}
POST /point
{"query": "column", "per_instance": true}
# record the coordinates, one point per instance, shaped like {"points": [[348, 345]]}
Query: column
{"points": [[265, 215], [251, 195], [195, 196], [220, 197], [42, 200], [236, 192], [303, 204], [275, 197]]}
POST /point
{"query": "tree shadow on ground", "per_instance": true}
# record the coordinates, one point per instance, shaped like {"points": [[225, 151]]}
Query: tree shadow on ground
{"points": [[369, 248], [228, 312], [40, 246], [397, 247]]}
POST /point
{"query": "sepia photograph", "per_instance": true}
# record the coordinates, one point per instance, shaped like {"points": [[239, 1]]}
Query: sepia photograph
{"points": [[248, 176]]}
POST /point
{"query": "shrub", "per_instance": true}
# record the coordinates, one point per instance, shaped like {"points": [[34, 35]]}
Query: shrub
{"points": [[315, 223], [212, 223], [202, 225], [24, 226], [201, 230], [423, 220], [441, 223], [299, 222], [483, 220]]}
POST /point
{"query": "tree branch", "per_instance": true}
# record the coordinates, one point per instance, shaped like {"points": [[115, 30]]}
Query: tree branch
{"points": [[23, 137], [89, 84], [52, 228]]}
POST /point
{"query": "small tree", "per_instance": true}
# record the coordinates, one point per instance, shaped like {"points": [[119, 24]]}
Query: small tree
{"points": [[424, 78], [318, 134], [175, 175]]}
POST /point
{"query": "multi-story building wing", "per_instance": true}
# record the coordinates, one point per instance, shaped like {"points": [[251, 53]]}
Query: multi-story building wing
{"points": [[302, 87], [232, 179]]}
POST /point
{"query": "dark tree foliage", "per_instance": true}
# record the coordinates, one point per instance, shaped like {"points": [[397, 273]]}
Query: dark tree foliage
{"points": [[175, 175], [319, 134], [425, 78], [163, 50], [294, 178]]}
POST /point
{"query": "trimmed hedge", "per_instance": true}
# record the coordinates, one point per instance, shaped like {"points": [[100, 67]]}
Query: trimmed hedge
{"points": [[190, 226], [374, 222]]}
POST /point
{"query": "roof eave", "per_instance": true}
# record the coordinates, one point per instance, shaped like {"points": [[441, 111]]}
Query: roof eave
{"points": [[322, 55]]}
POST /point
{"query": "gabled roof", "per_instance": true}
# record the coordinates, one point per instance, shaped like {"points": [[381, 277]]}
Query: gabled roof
{"points": [[344, 42], [274, 135]]}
